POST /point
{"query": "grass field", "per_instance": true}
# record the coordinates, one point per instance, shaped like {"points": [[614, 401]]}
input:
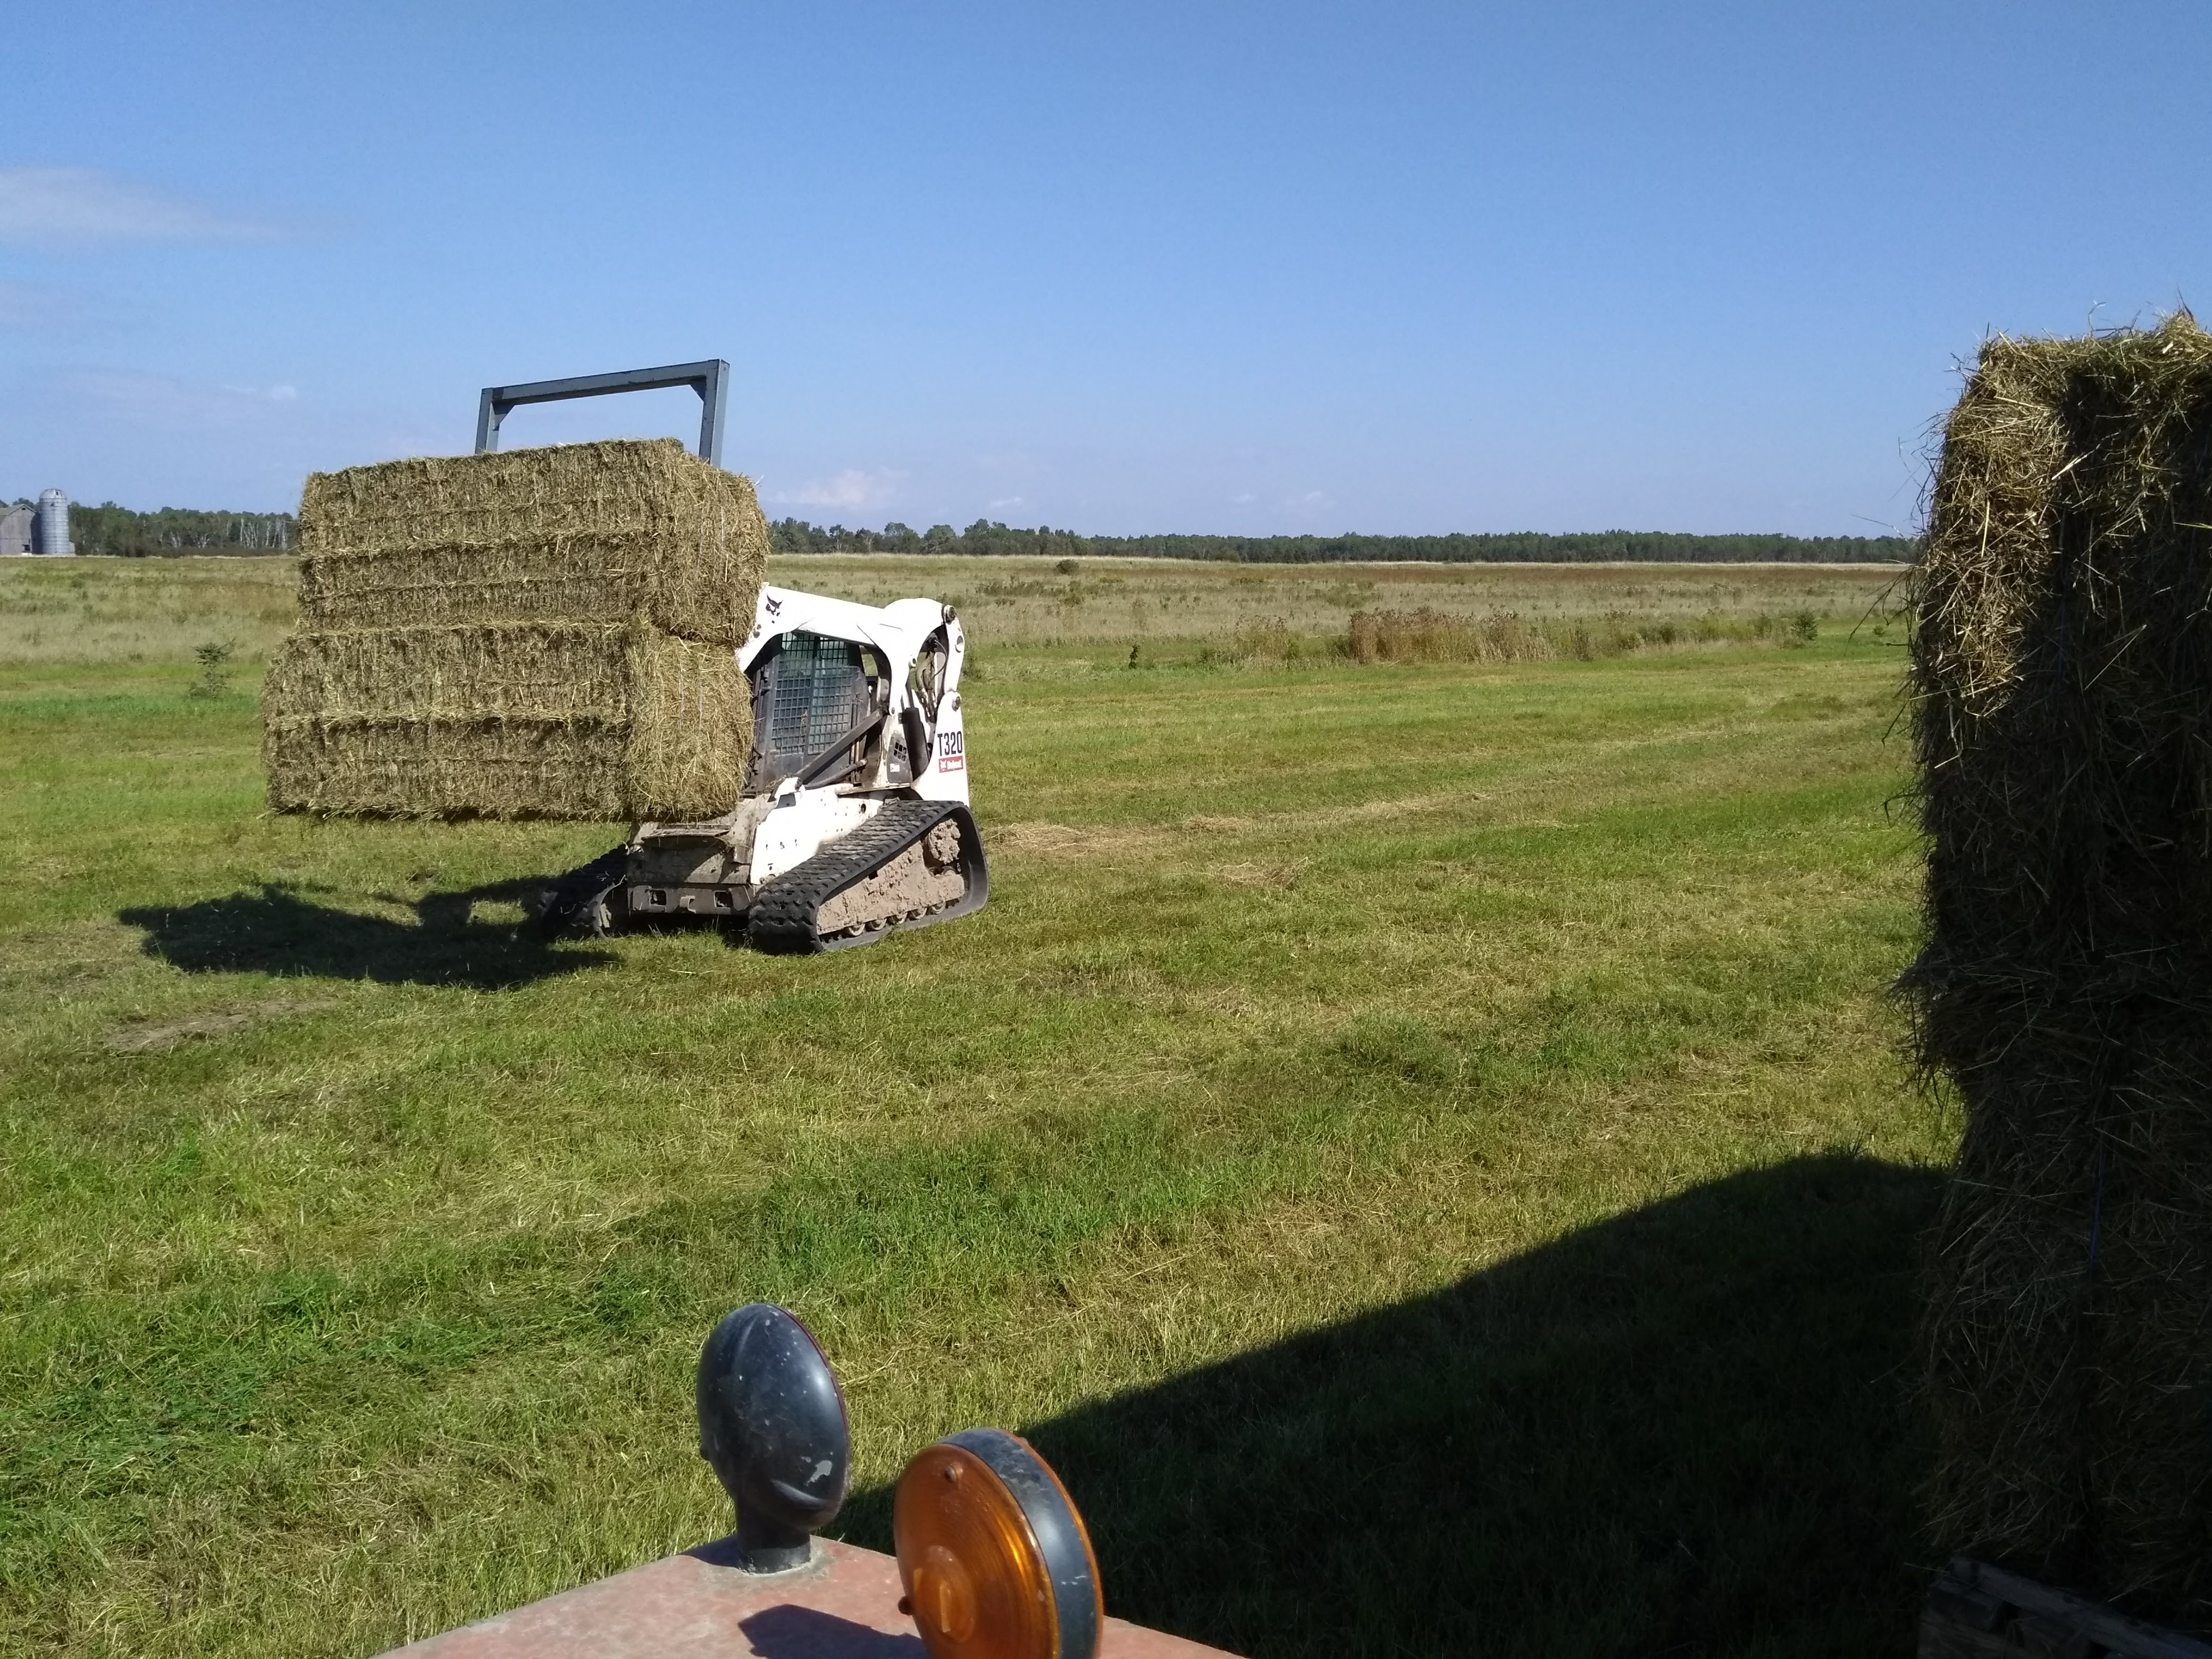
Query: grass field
{"points": [[1422, 1148]]}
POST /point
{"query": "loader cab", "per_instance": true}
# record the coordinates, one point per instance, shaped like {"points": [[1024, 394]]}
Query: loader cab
{"points": [[808, 688], [821, 668]]}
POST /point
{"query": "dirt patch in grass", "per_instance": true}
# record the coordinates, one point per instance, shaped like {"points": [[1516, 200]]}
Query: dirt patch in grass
{"points": [[1065, 841], [150, 1036], [1260, 875]]}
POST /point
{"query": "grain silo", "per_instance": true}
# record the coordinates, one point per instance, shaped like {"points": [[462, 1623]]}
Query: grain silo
{"points": [[50, 523]]}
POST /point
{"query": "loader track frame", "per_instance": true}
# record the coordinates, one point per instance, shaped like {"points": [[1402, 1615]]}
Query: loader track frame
{"points": [[785, 916]]}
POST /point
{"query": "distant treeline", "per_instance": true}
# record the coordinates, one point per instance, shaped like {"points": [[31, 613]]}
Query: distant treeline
{"points": [[108, 528], [1524, 547]]}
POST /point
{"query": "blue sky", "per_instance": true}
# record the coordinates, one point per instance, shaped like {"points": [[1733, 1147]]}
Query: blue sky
{"points": [[1196, 267]]}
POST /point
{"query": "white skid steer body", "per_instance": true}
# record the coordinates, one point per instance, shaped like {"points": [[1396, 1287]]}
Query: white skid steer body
{"points": [[854, 821]]}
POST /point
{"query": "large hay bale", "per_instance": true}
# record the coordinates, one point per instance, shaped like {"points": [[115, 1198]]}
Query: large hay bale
{"points": [[513, 721], [571, 532], [2062, 665]]}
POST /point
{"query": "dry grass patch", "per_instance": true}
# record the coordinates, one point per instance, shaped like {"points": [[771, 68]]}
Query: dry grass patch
{"points": [[157, 1036], [1152, 604]]}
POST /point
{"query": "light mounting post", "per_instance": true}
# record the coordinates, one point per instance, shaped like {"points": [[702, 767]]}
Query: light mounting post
{"points": [[772, 1425]]}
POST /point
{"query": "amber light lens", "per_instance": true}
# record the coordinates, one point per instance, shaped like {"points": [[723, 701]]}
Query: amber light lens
{"points": [[977, 1582]]}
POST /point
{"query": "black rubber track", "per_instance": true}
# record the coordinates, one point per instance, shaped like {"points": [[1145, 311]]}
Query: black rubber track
{"points": [[785, 911]]}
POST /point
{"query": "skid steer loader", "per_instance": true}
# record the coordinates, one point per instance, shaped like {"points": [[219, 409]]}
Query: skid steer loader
{"points": [[853, 823]]}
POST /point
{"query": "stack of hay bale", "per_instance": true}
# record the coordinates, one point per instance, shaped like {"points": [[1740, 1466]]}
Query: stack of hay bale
{"points": [[534, 633], [2062, 673]]}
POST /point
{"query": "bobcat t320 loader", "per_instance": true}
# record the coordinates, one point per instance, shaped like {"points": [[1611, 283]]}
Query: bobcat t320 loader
{"points": [[853, 820], [853, 823]]}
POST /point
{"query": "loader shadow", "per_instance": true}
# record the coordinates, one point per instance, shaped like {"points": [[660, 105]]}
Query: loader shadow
{"points": [[276, 931], [1689, 1430]]}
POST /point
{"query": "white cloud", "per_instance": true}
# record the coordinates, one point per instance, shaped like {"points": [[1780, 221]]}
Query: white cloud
{"points": [[75, 207], [157, 400], [1004, 502], [1312, 502], [850, 491], [1244, 500], [23, 306]]}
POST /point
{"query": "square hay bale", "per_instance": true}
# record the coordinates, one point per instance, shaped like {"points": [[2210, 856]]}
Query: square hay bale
{"points": [[591, 721], [571, 533], [2061, 671]]}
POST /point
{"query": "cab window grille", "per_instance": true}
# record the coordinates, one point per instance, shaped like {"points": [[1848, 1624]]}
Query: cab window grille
{"points": [[814, 688]]}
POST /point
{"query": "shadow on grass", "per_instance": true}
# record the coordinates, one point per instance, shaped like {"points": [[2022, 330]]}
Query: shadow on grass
{"points": [[1686, 1430], [278, 931]]}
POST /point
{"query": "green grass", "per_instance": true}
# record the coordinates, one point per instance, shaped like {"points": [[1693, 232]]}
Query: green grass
{"points": [[1424, 1148]]}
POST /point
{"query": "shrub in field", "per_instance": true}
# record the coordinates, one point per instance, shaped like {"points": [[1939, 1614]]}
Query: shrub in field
{"points": [[1269, 641], [1272, 641], [214, 659], [1430, 635]]}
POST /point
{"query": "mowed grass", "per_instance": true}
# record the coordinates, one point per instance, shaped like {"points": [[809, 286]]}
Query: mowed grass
{"points": [[1423, 1149]]}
